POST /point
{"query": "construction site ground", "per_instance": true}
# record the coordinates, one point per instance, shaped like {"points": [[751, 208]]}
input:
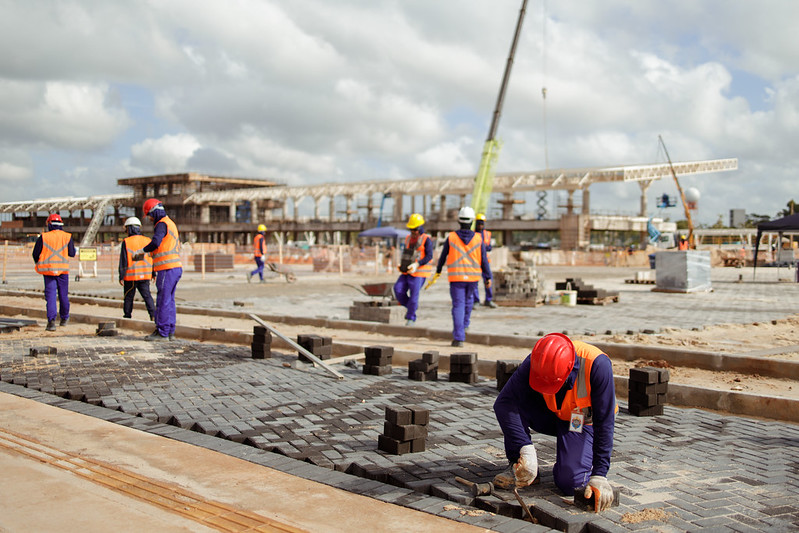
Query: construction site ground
{"points": [[685, 470]]}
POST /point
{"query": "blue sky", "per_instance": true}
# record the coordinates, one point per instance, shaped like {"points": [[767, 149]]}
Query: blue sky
{"points": [[309, 91]]}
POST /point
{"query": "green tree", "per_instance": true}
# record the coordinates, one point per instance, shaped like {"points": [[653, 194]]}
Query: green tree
{"points": [[789, 210], [753, 220]]}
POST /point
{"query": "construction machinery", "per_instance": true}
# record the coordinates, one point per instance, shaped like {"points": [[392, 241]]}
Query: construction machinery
{"points": [[682, 196]]}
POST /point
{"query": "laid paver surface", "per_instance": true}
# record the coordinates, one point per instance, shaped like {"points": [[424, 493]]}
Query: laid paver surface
{"points": [[698, 469]]}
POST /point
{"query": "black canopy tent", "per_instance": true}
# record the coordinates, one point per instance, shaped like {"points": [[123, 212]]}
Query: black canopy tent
{"points": [[780, 225]]}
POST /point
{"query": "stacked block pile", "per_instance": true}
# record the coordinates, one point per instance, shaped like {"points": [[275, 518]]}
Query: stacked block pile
{"points": [[424, 369], [518, 284], [261, 346], [505, 369], [463, 367], [383, 311], [378, 360], [587, 294], [107, 329], [647, 390], [404, 431], [321, 347]]}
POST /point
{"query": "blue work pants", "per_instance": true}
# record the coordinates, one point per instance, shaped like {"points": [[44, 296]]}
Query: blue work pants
{"points": [[166, 283], [259, 268], [130, 287], [462, 295], [57, 285], [407, 289], [489, 293]]}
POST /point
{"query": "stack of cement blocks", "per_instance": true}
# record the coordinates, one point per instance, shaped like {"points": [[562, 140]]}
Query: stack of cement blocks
{"points": [[505, 369], [107, 329], [404, 431], [385, 311], [463, 367], [587, 294], [261, 343], [378, 360], [321, 347], [424, 369], [647, 390], [517, 285], [43, 350]]}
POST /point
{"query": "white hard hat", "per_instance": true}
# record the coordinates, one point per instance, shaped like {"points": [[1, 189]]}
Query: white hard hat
{"points": [[466, 214], [132, 221]]}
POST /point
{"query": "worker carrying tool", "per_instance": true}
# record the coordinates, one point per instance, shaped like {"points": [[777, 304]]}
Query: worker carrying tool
{"points": [[464, 253], [479, 227], [415, 267], [164, 248], [135, 275], [565, 389], [50, 255], [259, 253]]}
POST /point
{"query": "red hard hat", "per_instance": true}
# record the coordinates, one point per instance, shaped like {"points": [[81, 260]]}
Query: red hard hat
{"points": [[149, 204], [55, 218], [551, 362]]}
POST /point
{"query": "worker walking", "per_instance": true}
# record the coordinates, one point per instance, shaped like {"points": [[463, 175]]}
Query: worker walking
{"points": [[415, 267], [479, 227], [464, 253], [50, 253], [565, 389], [135, 275], [164, 248], [259, 253]]}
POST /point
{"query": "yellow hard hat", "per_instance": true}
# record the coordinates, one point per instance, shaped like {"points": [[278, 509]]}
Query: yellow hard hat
{"points": [[415, 221], [261, 227], [480, 216]]}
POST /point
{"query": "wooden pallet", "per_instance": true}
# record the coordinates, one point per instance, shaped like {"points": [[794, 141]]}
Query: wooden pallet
{"points": [[641, 281], [597, 301]]}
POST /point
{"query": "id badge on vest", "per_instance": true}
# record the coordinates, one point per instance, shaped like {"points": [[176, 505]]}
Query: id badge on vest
{"points": [[576, 422]]}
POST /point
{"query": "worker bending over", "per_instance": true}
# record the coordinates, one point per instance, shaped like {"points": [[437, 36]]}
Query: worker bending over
{"points": [[417, 255], [50, 255], [259, 253], [464, 253], [564, 388], [135, 275]]}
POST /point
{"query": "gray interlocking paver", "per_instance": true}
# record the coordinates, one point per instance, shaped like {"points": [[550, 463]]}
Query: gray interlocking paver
{"points": [[706, 470]]}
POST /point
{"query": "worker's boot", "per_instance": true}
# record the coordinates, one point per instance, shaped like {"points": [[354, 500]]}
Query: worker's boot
{"points": [[64, 321], [50, 325], [491, 304], [249, 277], [457, 344]]}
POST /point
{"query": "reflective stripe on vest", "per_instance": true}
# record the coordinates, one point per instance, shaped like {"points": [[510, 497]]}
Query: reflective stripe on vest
{"points": [[464, 260], [579, 396], [53, 259], [166, 256], [423, 271], [137, 270], [256, 244]]}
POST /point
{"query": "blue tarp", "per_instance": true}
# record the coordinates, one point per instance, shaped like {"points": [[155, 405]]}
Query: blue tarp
{"points": [[387, 232]]}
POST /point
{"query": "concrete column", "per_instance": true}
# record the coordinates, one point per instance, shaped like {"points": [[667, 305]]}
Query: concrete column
{"points": [[350, 199], [232, 212], [285, 209], [294, 202], [586, 210], [316, 208], [205, 214], [644, 236], [397, 197], [443, 214], [332, 214]]}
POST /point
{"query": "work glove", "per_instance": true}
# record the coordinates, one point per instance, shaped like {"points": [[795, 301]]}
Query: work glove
{"points": [[412, 268], [602, 491], [432, 280], [526, 468]]}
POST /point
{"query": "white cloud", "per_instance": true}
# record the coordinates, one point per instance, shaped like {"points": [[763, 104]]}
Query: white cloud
{"points": [[164, 155]]}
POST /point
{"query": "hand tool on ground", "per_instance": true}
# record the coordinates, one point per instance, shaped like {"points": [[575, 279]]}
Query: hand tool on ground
{"points": [[524, 505], [477, 489]]}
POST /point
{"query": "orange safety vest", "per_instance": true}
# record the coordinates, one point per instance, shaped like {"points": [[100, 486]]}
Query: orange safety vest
{"points": [[167, 255], [137, 270], [579, 396], [256, 244], [53, 259], [464, 260], [487, 240], [683, 245], [425, 270]]}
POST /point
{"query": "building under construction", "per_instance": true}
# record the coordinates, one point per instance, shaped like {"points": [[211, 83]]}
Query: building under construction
{"points": [[216, 209]]}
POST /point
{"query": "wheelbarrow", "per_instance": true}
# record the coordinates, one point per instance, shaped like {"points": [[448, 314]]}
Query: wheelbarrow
{"points": [[375, 290], [282, 270]]}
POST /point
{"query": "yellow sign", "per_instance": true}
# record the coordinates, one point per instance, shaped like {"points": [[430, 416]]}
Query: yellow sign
{"points": [[88, 254]]}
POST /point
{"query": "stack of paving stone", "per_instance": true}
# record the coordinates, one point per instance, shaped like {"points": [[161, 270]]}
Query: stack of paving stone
{"points": [[647, 390], [587, 294], [463, 367], [517, 285], [383, 311], [378, 360], [505, 369], [404, 431], [107, 329], [424, 369], [43, 350], [321, 347], [261, 343]]}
